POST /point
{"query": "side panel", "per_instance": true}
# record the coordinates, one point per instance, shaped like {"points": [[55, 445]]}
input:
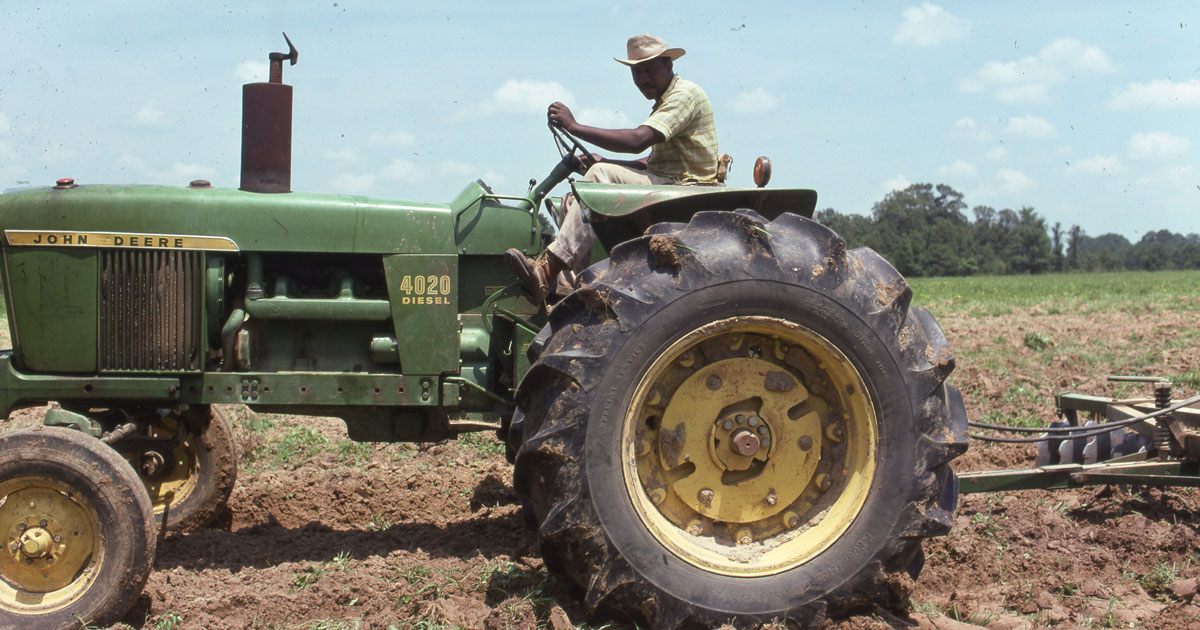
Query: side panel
{"points": [[54, 296], [423, 290]]}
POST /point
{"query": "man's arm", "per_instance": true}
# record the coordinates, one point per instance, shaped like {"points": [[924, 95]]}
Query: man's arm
{"points": [[634, 140]]}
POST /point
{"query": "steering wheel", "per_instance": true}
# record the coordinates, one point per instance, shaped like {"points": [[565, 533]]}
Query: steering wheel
{"points": [[570, 147]]}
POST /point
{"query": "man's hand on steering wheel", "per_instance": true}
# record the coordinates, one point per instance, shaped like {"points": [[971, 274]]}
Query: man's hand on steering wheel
{"points": [[561, 121], [560, 115]]}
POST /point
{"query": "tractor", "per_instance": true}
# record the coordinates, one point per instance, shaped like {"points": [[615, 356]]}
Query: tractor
{"points": [[729, 418]]}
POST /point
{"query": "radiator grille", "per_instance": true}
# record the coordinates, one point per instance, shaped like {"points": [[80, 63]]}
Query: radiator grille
{"points": [[150, 304]]}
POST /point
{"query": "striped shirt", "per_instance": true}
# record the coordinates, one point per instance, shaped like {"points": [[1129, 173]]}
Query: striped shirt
{"points": [[685, 118]]}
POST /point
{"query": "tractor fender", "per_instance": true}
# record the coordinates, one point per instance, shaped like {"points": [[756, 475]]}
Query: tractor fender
{"points": [[619, 212]]}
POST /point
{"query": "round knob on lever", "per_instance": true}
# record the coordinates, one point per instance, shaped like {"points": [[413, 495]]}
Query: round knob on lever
{"points": [[762, 171]]}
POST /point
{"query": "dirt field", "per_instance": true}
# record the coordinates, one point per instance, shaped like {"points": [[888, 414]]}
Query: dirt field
{"points": [[326, 534]]}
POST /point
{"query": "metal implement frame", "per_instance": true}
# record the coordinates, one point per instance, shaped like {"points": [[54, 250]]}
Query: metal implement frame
{"points": [[1170, 426]]}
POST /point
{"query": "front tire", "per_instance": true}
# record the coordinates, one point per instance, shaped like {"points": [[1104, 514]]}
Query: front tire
{"points": [[190, 486], [78, 531], [739, 421]]}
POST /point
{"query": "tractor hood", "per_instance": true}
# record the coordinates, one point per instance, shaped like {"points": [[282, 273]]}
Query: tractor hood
{"points": [[232, 219]]}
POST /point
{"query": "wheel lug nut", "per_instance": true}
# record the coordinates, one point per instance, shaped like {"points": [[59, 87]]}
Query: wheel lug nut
{"points": [[42, 523], [765, 443], [793, 520], [805, 443], [657, 495], [727, 425], [740, 419], [752, 420], [744, 537], [695, 528], [713, 382], [705, 496], [824, 482], [762, 430], [21, 527], [771, 499], [57, 538]]}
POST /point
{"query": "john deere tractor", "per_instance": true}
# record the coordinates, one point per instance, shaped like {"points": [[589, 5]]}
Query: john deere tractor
{"points": [[730, 418]]}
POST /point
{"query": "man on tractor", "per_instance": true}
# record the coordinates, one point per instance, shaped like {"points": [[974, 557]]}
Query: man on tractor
{"points": [[680, 134]]}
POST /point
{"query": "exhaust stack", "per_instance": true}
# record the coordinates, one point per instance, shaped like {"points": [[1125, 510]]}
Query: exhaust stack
{"points": [[267, 129]]}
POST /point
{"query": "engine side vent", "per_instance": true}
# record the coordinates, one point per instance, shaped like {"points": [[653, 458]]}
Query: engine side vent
{"points": [[150, 303]]}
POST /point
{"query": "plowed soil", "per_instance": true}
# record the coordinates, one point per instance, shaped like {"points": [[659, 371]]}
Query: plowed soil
{"points": [[337, 536]]}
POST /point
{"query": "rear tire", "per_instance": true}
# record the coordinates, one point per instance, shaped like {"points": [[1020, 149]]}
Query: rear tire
{"points": [[78, 531], [738, 421]]}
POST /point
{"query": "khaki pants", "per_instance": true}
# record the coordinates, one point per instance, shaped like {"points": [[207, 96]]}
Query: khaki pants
{"points": [[573, 245]]}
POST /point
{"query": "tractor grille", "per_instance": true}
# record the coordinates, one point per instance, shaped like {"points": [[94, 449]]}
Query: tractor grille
{"points": [[150, 310]]}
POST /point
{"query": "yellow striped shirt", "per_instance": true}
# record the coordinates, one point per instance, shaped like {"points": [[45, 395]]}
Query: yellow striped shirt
{"points": [[685, 118]]}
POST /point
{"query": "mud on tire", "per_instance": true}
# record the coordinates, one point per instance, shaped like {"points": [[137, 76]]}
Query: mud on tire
{"points": [[79, 532], [737, 421]]}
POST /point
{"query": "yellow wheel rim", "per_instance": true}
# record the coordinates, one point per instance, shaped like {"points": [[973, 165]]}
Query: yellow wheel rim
{"points": [[52, 545], [749, 446], [168, 481]]}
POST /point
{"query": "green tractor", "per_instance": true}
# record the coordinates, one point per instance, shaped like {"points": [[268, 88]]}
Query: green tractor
{"points": [[731, 418]]}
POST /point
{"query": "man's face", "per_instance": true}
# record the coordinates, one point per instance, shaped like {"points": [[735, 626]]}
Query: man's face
{"points": [[653, 77]]}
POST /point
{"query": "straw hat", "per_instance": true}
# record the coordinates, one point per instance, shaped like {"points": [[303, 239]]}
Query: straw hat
{"points": [[645, 47]]}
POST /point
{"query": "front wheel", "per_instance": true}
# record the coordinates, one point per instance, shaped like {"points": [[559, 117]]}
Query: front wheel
{"points": [[78, 531], [739, 421], [190, 483]]}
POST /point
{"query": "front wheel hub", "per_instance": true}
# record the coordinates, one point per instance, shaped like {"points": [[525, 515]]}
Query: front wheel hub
{"points": [[35, 543], [50, 535]]}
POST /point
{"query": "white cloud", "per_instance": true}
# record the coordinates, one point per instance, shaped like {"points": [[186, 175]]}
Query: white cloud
{"points": [[898, 182], [342, 155], [129, 162], [1012, 181], [930, 25], [251, 71], [960, 168], [1158, 94], [1097, 164], [1174, 176], [997, 153], [522, 96], [606, 118], [398, 138], [464, 170], [1158, 145], [5, 125], [968, 129], [182, 173], [151, 116], [54, 153], [756, 101], [1029, 79], [1034, 127], [401, 170], [352, 183]]}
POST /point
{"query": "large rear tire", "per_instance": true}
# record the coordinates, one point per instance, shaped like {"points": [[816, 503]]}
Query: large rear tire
{"points": [[739, 421], [78, 531]]}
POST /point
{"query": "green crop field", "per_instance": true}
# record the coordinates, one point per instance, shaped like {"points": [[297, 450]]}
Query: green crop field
{"points": [[1086, 292]]}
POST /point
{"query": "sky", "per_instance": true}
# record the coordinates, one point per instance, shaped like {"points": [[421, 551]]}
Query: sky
{"points": [[1089, 113]]}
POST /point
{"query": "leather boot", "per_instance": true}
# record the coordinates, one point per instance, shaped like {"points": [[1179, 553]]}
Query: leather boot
{"points": [[536, 275]]}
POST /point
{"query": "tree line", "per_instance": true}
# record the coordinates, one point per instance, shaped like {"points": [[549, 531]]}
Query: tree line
{"points": [[923, 231]]}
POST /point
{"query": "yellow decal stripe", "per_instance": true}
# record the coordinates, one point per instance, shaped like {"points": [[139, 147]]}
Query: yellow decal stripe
{"points": [[47, 238]]}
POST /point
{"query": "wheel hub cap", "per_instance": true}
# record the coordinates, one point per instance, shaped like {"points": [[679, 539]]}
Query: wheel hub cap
{"points": [[49, 535]]}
